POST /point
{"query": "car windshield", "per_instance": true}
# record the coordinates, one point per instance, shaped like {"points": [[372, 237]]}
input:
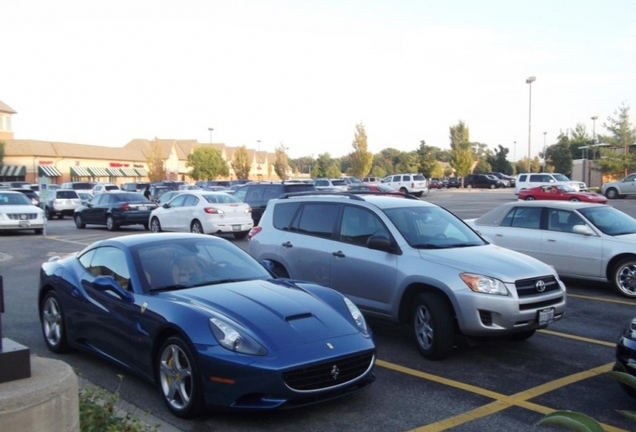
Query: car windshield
{"points": [[566, 188], [609, 220], [14, 199], [432, 228], [191, 262], [560, 177]]}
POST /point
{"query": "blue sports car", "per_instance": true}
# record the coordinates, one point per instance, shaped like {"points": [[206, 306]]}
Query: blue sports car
{"points": [[206, 322]]}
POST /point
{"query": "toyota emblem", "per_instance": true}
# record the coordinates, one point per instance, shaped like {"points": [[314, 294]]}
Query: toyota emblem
{"points": [[540, 286]]}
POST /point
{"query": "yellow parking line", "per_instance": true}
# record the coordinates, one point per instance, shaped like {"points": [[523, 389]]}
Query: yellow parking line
{"points": [[579, 338], [623, 302]]}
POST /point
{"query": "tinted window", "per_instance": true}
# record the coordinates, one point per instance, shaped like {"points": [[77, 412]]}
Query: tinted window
{"points": [[359, 224], [67, 194], [283, 214], [273, 191], [317, 219], [109, 261], [523, 217]]}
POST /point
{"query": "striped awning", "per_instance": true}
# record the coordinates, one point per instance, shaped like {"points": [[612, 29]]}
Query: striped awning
{"points": [[48, 171], [98, 172], [129, 172], [12, 170], [142, 172], [78, 171], [114, 172]]}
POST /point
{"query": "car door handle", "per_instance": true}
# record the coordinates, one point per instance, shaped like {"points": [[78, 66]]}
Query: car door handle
{"points": [[338, 254], [287, 244], [551, 240]]}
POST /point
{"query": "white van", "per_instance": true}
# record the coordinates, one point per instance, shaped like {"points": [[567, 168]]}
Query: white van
{"points": [[530, 180]]}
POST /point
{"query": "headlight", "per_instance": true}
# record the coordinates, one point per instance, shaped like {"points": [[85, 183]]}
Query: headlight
{"points": [[233, 339], [357, 316], [484, 284]]}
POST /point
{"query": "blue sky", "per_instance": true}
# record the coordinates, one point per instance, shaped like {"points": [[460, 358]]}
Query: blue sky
{"points": [[303, 73]]}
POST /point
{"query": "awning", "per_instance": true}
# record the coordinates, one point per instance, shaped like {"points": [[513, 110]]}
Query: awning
{"points": [[48, 171], [114, 172], [78, 171], [129, 172], [98, 172], [12, 170], [142, 172]]}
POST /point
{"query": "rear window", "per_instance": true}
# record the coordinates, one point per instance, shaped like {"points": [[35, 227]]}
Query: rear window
{"points": [[67, 194], [300, 187], [418, 178], [317, 219], [283, 214]]}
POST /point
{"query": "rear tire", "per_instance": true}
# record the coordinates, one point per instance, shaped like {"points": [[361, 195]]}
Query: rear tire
{"points": [[433, 326], [241, 235], [611, 193], [53, 326], [530, 198], [155, 225], [196, 227], [110, 224], [574, 199], [79, 223]]}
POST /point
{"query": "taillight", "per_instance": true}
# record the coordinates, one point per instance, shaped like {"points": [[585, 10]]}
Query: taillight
{"points": [[125, 207], [253, 232], [212, 210]]}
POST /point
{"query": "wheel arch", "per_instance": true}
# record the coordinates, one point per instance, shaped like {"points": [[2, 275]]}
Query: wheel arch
{"points": [[408, 298], [161, 337], [615, 260]]}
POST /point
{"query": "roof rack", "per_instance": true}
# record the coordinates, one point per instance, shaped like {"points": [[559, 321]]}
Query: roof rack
{"points": [[354, 195]]}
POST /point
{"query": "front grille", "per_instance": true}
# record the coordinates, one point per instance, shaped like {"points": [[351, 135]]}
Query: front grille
{"points": [[22, 216], [529, 287], [329, 374]]}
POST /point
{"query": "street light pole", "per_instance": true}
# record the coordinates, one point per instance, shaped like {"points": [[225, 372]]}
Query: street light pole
{"points": [[529, 81], [211, 130], [594, 118], [544, 158]]}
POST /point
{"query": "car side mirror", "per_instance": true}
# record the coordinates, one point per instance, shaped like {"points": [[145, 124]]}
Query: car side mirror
{"points": [[582, 229], [380, 243], [108, 283]]}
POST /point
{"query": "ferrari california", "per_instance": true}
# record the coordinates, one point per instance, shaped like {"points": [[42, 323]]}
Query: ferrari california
{"points": [[560, 193], [580, 240], [211, 326]]}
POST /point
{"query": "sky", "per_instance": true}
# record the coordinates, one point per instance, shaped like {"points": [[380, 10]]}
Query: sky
{"points": [[301, 74]]}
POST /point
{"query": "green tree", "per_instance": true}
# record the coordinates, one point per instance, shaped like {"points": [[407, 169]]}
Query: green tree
{"points": [[155, 162], [482, 167], [280, 162], [241, 163], [620, 157], [427, 164], [499, 160], [559, 155], [207, 163], [461, 156], [325, 167], [361, 158]]}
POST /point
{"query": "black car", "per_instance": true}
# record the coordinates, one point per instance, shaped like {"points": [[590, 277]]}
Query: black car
{"points": [[115, 209], [626, 355], [484, 181], [257, 194], [454, 182], [508, 181]]}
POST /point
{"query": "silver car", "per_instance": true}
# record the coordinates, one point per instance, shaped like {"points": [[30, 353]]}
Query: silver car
{"points": [[412, 262], [580, 240]]}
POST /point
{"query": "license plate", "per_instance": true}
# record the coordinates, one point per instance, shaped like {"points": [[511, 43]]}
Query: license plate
{"points": [[546, 316], [24, 223], [236, 227], [143, 208]]}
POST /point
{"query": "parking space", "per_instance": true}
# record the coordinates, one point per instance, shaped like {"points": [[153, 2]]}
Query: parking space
{"points": [[491, 385]]}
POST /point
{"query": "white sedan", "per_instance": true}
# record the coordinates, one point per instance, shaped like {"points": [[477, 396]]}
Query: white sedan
{"points": [[17, 213], [203, 212], [580, 240]]}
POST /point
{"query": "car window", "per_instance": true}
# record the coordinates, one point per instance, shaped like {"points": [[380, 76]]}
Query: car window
{"points": [[523, 217], [108, 261], [67, 194], [191, 200], [317, 219], [273, 191], [283, 214], [359, 224], [179, 201]]}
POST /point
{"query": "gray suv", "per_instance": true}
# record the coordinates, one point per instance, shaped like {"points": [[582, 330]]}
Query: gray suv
{"points": [[411, 262], [61, 202]]}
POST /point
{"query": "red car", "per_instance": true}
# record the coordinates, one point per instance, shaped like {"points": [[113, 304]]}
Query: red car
{"points": [[560, 192]]}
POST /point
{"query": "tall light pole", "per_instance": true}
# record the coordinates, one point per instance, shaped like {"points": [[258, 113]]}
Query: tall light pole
{"points": [[544, 158], [529, 81], [211, 130], [594, 118]]}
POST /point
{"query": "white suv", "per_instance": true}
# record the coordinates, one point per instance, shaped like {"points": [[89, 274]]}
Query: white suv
{"points": [[530, 180], [61, 202], [414, 184], [409, 261]]}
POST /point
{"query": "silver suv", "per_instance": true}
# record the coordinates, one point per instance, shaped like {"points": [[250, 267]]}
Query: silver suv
{"points": [[61, 202], [411, 262]]}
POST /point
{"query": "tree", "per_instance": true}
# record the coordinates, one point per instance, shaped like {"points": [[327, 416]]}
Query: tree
{"points": [[2, 144], [560, 155], [241, 163], [155, 162], [620, 157], [361, 158], [461, 157], [427, 164], [482, 167], [207, 163], [325, 167], [499, 161], [280, 162]]}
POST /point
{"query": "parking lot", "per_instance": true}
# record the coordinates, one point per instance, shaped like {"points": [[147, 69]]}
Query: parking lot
{"points": [[494, 386]]}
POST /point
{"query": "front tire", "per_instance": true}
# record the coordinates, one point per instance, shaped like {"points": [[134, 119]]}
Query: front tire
{"points": [[433, 326], [179, 378], [574, 199], [79, 223], [530, 198], [624, 277], [611, 193], [155, 225], [53, 327], [110, 224]]}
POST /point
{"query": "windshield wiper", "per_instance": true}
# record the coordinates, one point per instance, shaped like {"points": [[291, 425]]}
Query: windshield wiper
{"points": [[428, 246], [170, 288]]}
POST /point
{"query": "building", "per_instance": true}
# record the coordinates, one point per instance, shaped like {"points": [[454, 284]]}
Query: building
{"points": [[58, 162]]}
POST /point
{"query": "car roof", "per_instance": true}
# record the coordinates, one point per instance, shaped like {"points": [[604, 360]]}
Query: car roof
{"points": [[498, 213], [138, 239], [379, 199]]}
